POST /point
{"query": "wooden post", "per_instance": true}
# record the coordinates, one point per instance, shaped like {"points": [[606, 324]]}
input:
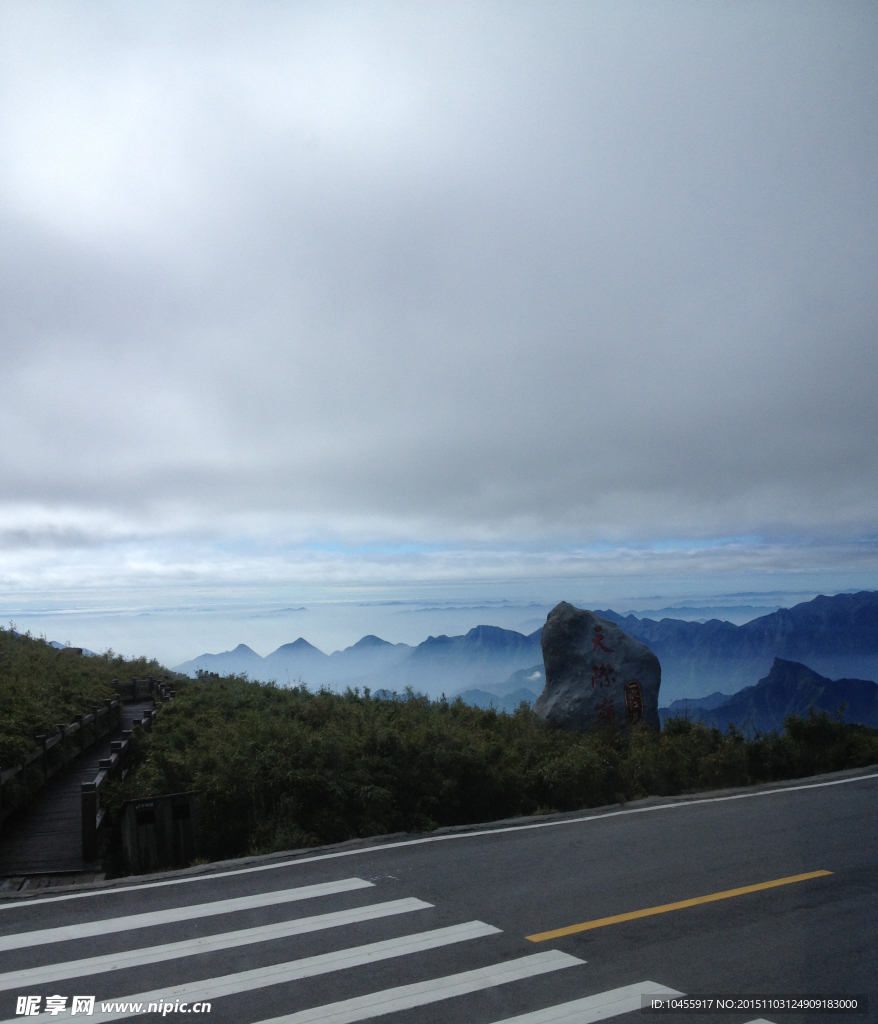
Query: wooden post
{"points": [[41, 741], [89, 821]]}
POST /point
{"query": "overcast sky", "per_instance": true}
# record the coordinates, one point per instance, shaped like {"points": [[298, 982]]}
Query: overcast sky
{"points": [[303, 302]]}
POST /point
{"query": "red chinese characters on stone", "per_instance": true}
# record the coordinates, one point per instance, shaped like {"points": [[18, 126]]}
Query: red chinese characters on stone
{"points": [[597, 641], [605, 709], [602, 674], [633, 702]]}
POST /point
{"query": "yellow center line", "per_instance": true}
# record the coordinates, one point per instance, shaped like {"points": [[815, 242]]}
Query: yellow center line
{"points": [[601, 922]]}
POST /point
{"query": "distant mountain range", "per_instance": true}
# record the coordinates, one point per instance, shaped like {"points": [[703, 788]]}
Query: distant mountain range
{"points": [[790, 688], [485, 658], [737, 613], [691, 707], [836, 636]]}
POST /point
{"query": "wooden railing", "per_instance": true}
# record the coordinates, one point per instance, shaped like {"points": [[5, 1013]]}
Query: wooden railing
{"points": [[51, 753], [130, 691], [85, 731], [93, 813]]}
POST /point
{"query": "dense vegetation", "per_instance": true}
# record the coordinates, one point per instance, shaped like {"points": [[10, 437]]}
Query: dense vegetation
{"points": [[283, 768], [41, 686]]}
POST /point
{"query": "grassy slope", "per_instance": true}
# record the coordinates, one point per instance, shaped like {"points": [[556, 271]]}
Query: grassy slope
{"points": [[41, 686]]}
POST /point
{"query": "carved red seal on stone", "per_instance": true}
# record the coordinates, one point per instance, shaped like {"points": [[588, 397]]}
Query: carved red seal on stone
{"points": [[633, 702]]}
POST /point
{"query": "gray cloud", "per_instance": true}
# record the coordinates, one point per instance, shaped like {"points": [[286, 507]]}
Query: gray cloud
{"points": [[479, 275]]}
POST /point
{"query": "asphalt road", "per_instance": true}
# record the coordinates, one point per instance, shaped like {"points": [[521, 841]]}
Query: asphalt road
{"points": [[436, 929]]}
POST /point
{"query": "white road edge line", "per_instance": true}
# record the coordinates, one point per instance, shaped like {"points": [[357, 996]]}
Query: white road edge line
{"points": [[404, 997], [379, 847], [597, 1007], [50, 973], [63, 933], [262, 977]]}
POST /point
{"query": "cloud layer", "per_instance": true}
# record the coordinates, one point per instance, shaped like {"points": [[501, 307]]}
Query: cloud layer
{"points": [[495, 277]]}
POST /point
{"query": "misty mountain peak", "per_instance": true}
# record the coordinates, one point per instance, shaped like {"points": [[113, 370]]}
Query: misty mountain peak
{"points": [[369, 641], [493, 636], [300, 646]]}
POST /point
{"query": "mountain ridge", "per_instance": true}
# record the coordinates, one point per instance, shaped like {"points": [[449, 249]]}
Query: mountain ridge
{"points": [[485, 656], [836, 637], [790, 688]]}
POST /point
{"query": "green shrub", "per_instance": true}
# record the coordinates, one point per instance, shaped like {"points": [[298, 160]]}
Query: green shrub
{"points": [[283, 768], [41, 686]]}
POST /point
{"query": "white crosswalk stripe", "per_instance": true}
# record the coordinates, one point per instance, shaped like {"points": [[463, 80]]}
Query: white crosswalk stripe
{"points": [[370, 1004], [203, 944], [262, 977], [404, 997], [24, 940], [611, 1003]]}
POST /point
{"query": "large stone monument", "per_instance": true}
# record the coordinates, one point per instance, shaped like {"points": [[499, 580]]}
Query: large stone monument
{"points": [[595, 673]]}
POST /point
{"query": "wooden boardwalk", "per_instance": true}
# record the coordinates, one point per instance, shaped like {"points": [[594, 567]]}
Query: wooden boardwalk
{"points": [[41, 843]]}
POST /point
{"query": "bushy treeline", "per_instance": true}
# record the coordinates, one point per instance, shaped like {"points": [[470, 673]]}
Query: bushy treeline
{"points": [[283, 768], [41, 686]]}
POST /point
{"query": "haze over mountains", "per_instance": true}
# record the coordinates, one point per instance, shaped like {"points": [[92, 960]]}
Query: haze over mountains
{"points": [[834, 636], [485, 657]]}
